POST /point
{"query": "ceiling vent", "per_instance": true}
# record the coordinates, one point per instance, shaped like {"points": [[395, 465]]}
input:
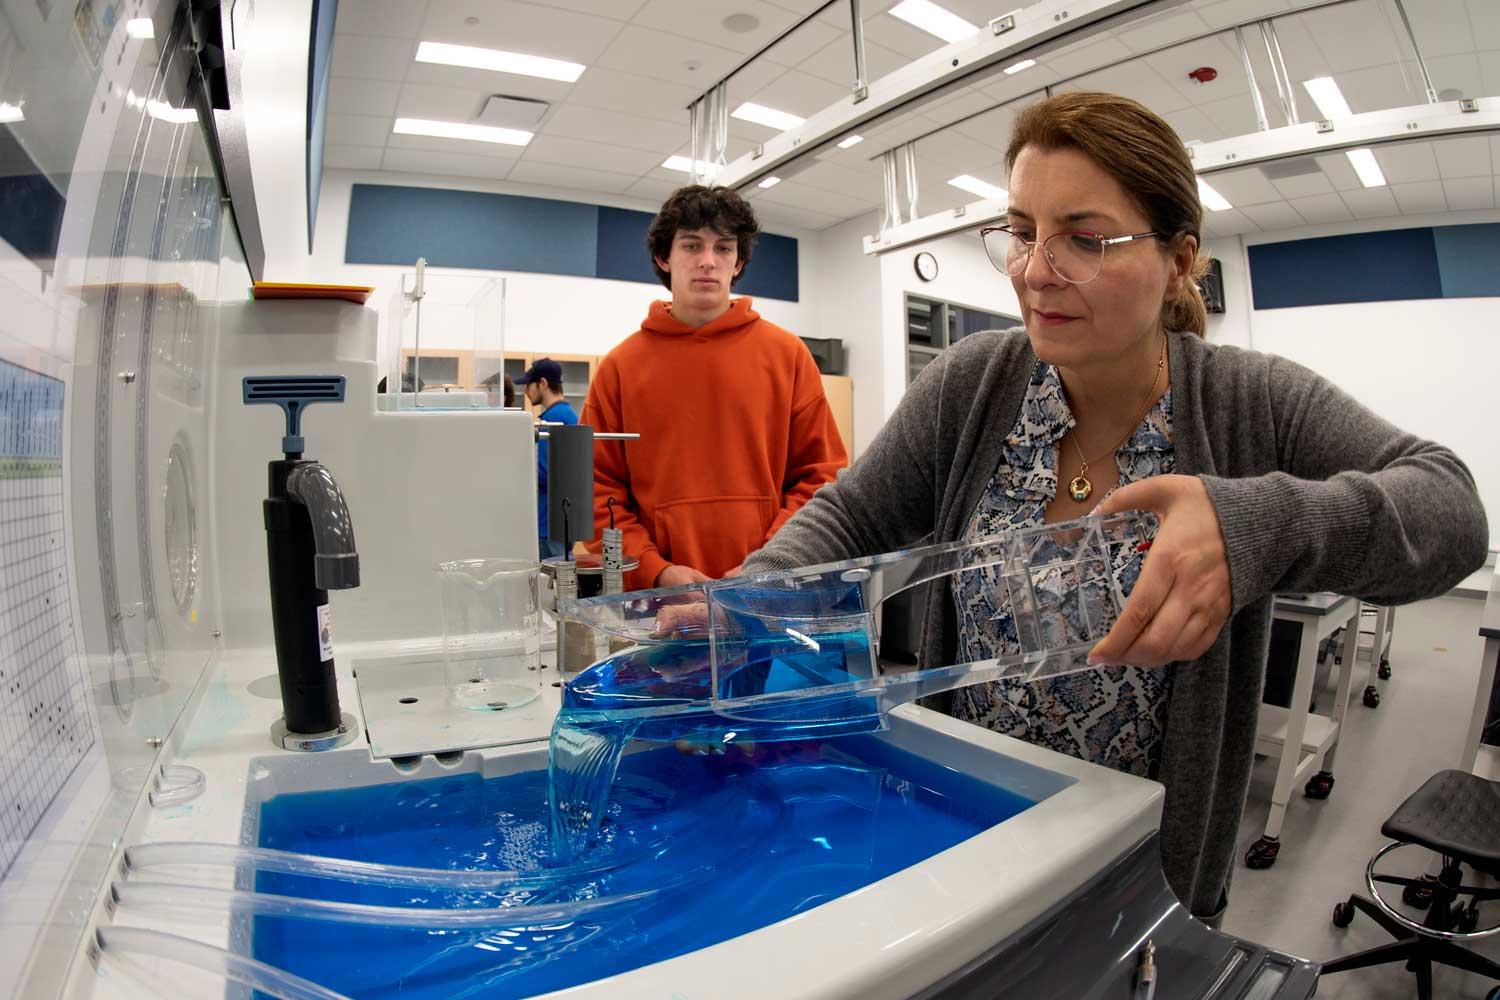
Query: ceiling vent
{"points": [[505, 111], [1297, 166]]}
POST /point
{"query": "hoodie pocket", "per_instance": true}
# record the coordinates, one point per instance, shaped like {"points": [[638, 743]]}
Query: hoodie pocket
{"points": [[713, 534]]}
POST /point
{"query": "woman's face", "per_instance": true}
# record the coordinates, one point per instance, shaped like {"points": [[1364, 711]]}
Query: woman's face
{"points": [[1112, 316]]}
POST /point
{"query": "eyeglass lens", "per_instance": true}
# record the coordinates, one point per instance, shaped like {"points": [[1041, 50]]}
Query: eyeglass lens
{"points": [[1076, 257]]}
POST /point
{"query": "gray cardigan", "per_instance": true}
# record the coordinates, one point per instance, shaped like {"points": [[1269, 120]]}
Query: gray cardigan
{"points": [[1313, 492]]}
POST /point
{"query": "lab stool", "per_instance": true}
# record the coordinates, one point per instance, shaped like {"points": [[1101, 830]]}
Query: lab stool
{"points": [[1456, 814]]}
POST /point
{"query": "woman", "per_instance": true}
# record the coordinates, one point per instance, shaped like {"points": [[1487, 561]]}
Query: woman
{"points": [[1264, 477]]}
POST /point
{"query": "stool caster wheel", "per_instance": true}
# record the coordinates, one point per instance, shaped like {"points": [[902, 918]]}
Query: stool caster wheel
{"points": [[1384, 671], [1319, 785], [1262, 853], [1419, 896], [1465, 918], [1372, 697], [1343, 914]]}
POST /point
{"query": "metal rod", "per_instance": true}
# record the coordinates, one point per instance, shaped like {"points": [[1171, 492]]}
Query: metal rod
{"points": [[861, 82], [1260, 105], [891, 216], [693, 139], [1047, 90], [1269, 27], [772, 43], [1276, 74], [1432, 97]]}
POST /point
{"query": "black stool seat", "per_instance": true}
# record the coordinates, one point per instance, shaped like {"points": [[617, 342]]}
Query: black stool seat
{"points": [[1454, 813]]}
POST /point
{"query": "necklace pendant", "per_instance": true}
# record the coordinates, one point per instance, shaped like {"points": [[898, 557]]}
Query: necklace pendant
{"points": [[1080, 488]]}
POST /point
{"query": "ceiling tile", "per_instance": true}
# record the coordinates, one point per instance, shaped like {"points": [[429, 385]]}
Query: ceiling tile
{"points": [[866, 184], [657, 187], [1339, 171], [590, 155], [633, 94], [1484, 18], [1174, 64], [1082, 56], [521, 27], [811, 199], [1407, 163], [352, 157], [369, 57], [458, 147], [1463, 156], [1161, 29], [801, 46], [1273, 216], [773, 217], [799, 94], [1137, 80], [958, 149], [705, 22], [1322, 208], [1373, 88], [1246, 186], [1192, 124], [618, 129], [669, 57], [1441, 27], [1371, 203], [349, 96], [395, 18], [480, 82], [357, 130], [445, 164], [619, 10], [1420, 196], [835, 62], [1467, 194], [555, 175], [448, 104], [1457, 72], [1489, 72], [1228, 223], [963, 104], [1303, 186], [1350, 36], [889, 31]]}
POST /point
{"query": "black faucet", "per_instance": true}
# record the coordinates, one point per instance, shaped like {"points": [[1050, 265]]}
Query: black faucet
{"points": [[310, 550]]}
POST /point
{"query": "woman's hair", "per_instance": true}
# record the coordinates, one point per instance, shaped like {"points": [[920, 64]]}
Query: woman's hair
{"points": [[696, 207], [1140, 151]]}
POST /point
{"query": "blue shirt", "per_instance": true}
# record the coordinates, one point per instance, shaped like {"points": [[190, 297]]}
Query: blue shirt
{"points": [[560, 412]]}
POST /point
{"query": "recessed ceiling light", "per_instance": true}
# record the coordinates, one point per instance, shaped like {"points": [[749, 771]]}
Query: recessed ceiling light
{"points": [[140, 27], [10, 113], [1363, 161], [461, 130], [1212, 200], [1327, 96], [1015, 68], [498, 61], [762, 115], [769, 182], [853, 140], [741, 23], [934, 20], [982, 188]]}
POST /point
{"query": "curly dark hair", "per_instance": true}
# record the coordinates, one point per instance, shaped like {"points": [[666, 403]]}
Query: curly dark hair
{"points": [[695, 207]]}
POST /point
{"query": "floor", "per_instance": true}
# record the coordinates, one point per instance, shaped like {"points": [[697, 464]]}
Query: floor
{"points": [[1384, 755]]}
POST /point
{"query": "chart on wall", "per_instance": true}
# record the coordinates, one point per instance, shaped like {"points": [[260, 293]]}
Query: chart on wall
{"points": [[44, 720]]}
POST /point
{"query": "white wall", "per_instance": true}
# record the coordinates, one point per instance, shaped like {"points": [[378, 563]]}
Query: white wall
{"points": [[559, 314], [849, 310], [1429, 365]]}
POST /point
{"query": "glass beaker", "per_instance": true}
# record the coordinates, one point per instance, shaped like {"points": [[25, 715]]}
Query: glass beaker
{"points": [[491, 633]]}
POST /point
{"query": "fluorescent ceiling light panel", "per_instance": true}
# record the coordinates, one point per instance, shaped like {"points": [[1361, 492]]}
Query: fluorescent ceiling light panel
{"points": [[982, 188], [140, 27], [11, 113], [164, 112], [762, 115], [462, 130], [681, 163], [498, 61], [1327, 96], [1015, 68], [853, 140], [769, 182], [1212, 200], [934, 20], [1363, 161]]}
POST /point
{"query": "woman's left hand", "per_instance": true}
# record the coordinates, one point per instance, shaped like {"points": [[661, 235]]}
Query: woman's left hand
{"points": [[1182, 598]]}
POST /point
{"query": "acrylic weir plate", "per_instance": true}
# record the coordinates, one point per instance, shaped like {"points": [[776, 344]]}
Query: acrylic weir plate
{"points": [[407, 710]]}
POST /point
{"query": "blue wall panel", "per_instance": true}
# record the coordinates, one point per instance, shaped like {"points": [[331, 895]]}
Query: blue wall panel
{"points": [[1360, 267], [396, 225], [1469, 259]]}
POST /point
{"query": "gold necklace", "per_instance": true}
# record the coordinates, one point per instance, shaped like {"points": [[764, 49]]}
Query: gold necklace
{"points": [[1079, 487]]}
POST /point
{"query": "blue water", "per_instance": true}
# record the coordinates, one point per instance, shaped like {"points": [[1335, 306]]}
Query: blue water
{"points": [[739, 840]]}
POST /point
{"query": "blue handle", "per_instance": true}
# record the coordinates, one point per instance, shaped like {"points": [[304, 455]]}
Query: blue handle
{"points": [[293, 393]]}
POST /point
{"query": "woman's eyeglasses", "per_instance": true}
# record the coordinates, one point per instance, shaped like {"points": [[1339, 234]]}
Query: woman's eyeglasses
{"points": [[1075, 257]]}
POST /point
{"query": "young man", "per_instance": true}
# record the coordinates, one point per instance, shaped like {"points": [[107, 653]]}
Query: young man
{"points": [[543, 386], [736, 433]]}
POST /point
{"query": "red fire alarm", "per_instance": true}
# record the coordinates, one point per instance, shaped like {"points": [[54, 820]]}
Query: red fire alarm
{"points": [[1203, 74]]}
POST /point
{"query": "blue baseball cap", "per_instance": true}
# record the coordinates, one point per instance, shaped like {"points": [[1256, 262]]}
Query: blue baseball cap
{"points": [[542, 368]]}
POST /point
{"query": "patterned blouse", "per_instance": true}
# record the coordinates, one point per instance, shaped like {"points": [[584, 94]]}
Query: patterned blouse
{"points": [[1113, 716]]}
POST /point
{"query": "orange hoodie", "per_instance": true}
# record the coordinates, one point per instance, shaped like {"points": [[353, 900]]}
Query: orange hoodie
{"points": [[736, 434]]}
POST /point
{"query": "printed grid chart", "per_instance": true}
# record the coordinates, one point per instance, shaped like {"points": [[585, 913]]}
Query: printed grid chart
{"points": [[44, 722]]}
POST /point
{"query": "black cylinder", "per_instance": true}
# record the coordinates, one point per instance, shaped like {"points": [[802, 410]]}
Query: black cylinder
{"points": [[299, 612], [570, 476]]}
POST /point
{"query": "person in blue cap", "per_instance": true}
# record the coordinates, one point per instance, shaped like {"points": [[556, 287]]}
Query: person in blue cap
{"points": [[543, 386]]}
